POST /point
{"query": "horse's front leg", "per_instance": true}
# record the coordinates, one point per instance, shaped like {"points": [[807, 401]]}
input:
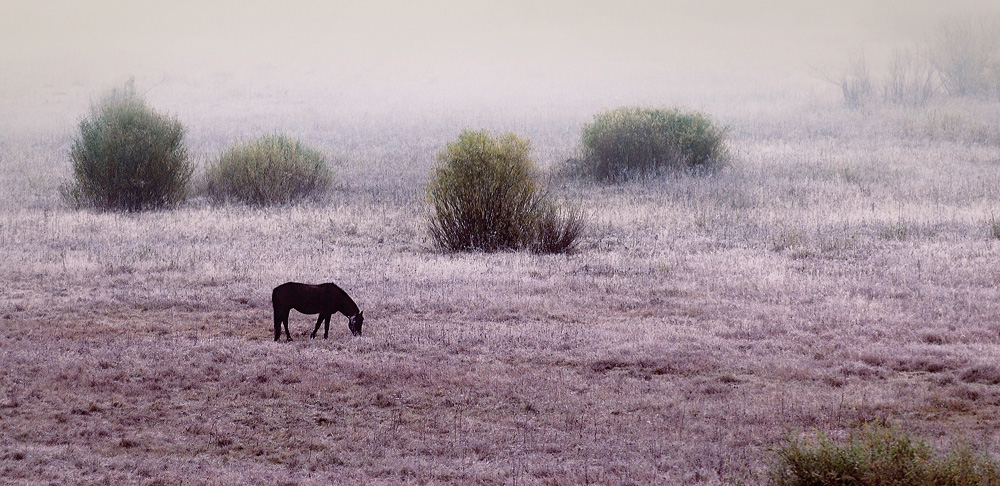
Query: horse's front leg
{"points": [[326, 327], [318, 322]]}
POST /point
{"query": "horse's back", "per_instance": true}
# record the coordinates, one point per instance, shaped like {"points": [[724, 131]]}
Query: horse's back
{"points": [[285, 289], [306, 298], [288, 293]]}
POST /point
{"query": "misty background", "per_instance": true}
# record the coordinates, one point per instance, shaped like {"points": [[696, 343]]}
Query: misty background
{"points": [[355, 76]]}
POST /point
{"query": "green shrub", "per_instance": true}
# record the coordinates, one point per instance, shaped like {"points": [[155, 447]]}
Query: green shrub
{"points": [[632, 142], [128, 157], [486, 197], [878, 455], [272, 169]]}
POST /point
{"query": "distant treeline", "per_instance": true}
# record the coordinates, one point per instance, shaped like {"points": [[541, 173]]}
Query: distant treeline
{"points": [[960, 59]]}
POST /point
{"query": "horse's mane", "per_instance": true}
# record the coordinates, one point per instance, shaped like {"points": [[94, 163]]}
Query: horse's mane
{"points": [[347, 298]]}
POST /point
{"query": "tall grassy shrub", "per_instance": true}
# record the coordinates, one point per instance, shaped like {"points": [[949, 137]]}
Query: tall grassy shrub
{"points": [[128, 157], [632, 142], [272, 169], [486, 196], [879, 455], [557, 229]]}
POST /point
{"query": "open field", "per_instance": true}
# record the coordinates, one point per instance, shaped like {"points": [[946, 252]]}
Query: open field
{"points": [[841, 269]]}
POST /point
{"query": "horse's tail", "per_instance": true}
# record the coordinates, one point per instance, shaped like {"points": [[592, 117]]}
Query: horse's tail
{"points": [[279, 301]]}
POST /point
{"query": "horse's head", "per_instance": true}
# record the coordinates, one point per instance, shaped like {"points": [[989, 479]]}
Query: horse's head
{"points": [[356, 322]]}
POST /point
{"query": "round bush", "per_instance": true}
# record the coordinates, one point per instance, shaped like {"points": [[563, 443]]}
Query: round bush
{"points": [[631, 142], [128, 157], [273, 169], [486, 197]]}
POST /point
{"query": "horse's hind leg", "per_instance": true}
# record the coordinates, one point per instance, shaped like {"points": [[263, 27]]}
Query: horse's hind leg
{"points": [[280, 316], [318, 322]]}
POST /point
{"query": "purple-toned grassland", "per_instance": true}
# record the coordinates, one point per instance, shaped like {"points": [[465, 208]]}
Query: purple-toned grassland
{"points": [[840, 269]]}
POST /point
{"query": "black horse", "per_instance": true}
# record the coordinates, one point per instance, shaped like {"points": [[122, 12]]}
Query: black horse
{"points": [[323, 299]]}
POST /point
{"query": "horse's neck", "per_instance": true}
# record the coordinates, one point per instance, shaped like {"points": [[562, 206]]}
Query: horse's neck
{"points": [[348, 307]]}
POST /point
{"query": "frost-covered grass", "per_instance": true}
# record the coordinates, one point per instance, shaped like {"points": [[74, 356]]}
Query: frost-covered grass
{"points": [[841, 269]]}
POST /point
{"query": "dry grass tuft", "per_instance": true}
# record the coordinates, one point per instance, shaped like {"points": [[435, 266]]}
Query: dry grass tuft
{"points": [[986, 374]]}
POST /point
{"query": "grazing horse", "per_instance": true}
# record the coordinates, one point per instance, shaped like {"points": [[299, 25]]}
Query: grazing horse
{"points": [[323, 299]]}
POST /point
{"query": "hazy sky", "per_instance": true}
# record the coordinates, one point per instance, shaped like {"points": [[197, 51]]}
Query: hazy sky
{"points": [[438, 53], [421, 29]]}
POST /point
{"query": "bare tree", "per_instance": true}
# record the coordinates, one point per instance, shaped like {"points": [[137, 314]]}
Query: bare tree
{"points": [[912, 80], [966, 52], [856, 84]]}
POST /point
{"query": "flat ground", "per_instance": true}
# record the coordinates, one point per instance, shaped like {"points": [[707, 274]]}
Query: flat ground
{"points": [[842, 269]]}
